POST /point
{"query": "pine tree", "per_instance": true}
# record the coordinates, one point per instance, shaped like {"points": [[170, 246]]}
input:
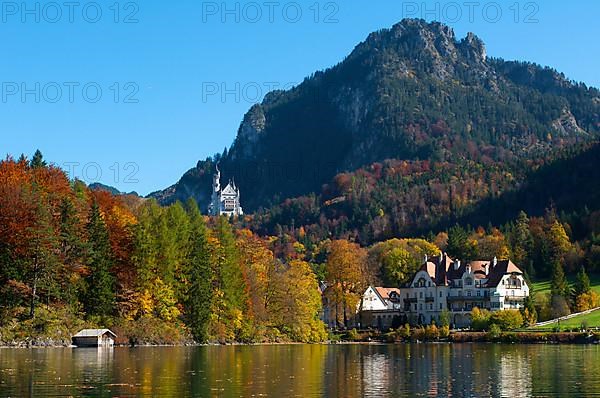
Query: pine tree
{"points": [[459, 246], [38, 160], [522, 243], [71, 246], [559, 285], [100, 294], [230, 279], [42, 252], [582, 283], [200, 292]]}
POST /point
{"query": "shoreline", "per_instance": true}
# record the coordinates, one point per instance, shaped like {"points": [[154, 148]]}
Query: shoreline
{"points": [[521, 337]]}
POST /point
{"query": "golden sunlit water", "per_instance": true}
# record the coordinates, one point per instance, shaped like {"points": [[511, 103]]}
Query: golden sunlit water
{"points": [[405, 370]]}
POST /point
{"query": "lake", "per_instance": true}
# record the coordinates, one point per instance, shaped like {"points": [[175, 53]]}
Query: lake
{"points": [[404, 370]]}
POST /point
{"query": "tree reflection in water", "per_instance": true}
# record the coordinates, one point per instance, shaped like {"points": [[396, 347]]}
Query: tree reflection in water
{"points": [[404, 370]]}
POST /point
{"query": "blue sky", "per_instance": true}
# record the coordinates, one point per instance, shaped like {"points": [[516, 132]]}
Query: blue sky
{"points": [[135, 95]]}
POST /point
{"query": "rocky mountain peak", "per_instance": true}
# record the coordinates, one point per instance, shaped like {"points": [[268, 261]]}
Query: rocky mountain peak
{"points": [[473, 47]]}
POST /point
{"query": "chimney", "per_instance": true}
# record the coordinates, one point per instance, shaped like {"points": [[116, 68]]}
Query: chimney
{"points": [[487, 269], [426, 259], [456, 265], [441, 257], [495, 262]]}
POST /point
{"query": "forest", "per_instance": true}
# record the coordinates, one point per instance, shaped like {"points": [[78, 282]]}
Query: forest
{"points": [[71, 256]]}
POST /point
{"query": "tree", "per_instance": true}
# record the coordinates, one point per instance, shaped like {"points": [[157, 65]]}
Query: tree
{"points": [[559, 306], [559, 284], [507, 319], [480, 319], [37, 161], [200, 292], [345, 277], [582, 283], [100, 292], [42, 251], [522, 241], [459, 246], [72, 250], [231, 297], [559, 242], [296, 303], [399, 259], [396, 266]]}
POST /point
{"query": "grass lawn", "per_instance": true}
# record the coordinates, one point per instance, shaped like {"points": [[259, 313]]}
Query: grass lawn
{"points": [[592, 319], [543, 286]]}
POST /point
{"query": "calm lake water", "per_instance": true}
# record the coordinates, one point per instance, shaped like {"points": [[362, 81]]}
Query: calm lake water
{"points": [[427, 370]]}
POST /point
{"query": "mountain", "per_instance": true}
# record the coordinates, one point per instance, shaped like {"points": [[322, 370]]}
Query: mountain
{"points": [[97, 186], [411, 93]]}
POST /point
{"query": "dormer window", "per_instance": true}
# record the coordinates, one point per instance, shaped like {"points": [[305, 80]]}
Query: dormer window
{"points": [[468, 282]]}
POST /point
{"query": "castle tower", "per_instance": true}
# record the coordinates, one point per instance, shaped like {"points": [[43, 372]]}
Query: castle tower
{"points": [[224, 201]]}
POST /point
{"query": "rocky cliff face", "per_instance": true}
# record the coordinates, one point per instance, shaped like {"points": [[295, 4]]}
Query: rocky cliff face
{"points": [[410, 92]]}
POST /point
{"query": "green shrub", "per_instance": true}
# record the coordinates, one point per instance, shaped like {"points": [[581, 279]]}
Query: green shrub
{"points": [[480, 319], [432, 333], [404, 332], [494, 332], [353, 335], [444, 332], [507, 319]]}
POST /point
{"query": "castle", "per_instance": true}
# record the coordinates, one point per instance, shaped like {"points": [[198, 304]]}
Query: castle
{"points": [[226, 201]]}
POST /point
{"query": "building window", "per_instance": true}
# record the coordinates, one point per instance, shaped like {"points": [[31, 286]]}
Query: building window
{"points": [[469, 293], [440, 293], [421, 294], [440, 306], [468, 282], [478, 293]]}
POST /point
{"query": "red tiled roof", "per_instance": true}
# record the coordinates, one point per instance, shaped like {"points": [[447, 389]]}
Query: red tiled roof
{"points": [[384, 292], [441, 270]]}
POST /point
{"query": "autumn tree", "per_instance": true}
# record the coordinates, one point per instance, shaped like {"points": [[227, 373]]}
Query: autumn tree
{"points": [[399, 259], [231, 294], [345, 277], [296, 303], [559, 242]]}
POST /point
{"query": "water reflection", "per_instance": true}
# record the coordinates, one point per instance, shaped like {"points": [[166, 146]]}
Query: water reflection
{"points": [[417, 370]]}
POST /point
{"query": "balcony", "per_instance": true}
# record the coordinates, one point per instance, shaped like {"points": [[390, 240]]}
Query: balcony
{"points": [[466, 298]]}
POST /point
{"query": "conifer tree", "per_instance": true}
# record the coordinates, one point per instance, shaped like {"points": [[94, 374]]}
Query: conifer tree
{"points": [[42, 251], [230, 280], [522, 243], [71, 246], [100, 294], [559, 285], [200, 276], [582, 283], [37, 160], [459, 246]]}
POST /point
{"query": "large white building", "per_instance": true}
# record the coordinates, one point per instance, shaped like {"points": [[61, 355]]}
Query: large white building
{"points": [[443, 284], [224, 201]]}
